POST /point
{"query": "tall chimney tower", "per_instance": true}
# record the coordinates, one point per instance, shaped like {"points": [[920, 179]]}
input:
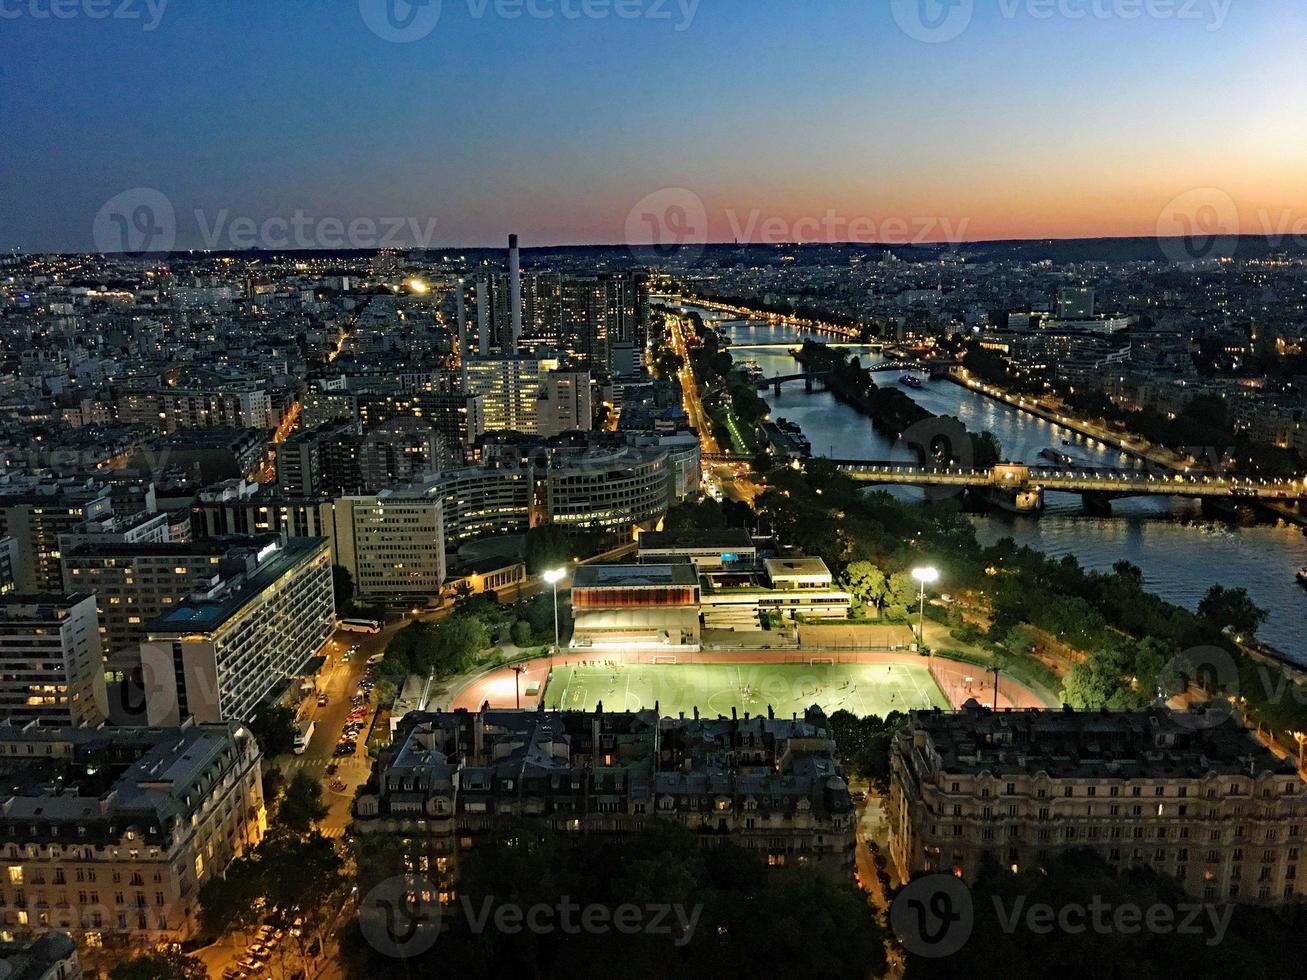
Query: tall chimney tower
{"points": [[483, 317], [514, 293]]}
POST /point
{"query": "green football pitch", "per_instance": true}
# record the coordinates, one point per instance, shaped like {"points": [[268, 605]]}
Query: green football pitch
{"points": [[864, 689]]}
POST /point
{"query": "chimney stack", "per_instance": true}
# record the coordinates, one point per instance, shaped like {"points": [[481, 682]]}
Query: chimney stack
{"points": [[514, 294]]}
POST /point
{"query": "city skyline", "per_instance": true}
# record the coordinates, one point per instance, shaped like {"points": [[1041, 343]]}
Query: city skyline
{"points": [[1009, 120]]}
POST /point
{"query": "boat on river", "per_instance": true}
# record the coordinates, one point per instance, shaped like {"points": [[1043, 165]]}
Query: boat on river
{"points": [[1302, 575], [910, 381]]}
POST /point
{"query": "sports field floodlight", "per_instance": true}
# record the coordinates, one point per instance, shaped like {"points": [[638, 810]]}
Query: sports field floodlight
{"points": [[553, 576], [928, 575]]}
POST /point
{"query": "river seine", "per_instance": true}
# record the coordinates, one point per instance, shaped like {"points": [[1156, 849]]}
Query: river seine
{"points": [[1182, 552]]}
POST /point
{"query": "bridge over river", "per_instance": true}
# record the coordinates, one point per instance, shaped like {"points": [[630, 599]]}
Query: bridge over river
{"points": [[1021, 488]]}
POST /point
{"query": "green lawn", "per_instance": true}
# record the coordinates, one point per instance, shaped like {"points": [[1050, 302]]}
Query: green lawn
{"points": [[863, 689]]}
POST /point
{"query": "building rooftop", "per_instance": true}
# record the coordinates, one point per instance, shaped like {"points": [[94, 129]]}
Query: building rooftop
{"points": [[30, 606], [206, 615], [725, 539], [208, 546], [1155, 743], [634, 576], [108, 780]]}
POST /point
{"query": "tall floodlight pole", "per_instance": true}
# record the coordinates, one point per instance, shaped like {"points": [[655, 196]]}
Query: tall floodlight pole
{"points": [[553, 577], [926, 576]]}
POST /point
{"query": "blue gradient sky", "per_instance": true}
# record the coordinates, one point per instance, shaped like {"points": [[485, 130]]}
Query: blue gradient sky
{"points": [[555, 128]]}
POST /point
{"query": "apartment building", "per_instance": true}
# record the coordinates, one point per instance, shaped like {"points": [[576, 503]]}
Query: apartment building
{"points": [[220, 653], [111, 832], [1207, 804], [51, 667], [771, 785], [234, 405]]}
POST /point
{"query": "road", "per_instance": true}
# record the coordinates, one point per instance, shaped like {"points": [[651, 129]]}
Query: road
{"points": [[733, 478]]}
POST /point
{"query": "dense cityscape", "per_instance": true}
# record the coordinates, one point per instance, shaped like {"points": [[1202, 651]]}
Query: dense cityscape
{"points": [[651, 586]]}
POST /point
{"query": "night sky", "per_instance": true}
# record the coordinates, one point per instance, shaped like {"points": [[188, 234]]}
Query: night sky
{"points": [[768, 119]]}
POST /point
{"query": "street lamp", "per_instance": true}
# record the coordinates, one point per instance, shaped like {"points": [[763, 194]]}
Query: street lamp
{"points": [[926, 576], [553, 576]]}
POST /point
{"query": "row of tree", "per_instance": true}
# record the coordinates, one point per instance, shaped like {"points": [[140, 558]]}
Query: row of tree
{"points": [[746, 919]]}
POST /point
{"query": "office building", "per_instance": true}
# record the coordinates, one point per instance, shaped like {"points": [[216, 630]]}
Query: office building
{"points": [[510, 389], [1075, 303], [109, 833], [393, 543], [564, 404], [770, 785], [8, 564], [617, 490], [221, 652], [1202, 801], [51, 666], [134, 584], [36, 512]]}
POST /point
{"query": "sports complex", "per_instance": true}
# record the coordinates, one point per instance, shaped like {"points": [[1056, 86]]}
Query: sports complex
{"points": [[720, 683]]}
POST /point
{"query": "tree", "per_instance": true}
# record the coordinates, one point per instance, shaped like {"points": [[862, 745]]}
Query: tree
{"points": [[902, 593], [273, 727], [867, 583], [342, 587], [301, 804], [1232, 610], [521, 633], [232, 900], [160, 966]]}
